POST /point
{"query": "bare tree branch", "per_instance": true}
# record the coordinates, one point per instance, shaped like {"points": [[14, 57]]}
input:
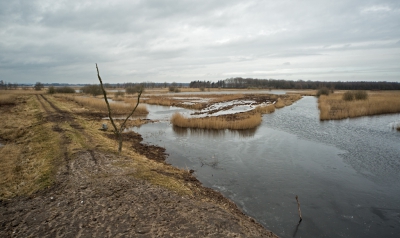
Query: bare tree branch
{"points": [[117, 131]]}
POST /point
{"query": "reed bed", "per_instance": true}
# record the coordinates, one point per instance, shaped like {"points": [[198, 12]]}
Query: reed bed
{"points": [[333, 107], [162, 101], [100, 105], [286, 100], [265, 109], [279, 103], [249, 122], [165, 101]]}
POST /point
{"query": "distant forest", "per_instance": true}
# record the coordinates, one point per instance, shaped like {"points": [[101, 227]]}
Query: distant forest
{"points": [[238, 82], [290, 84]]}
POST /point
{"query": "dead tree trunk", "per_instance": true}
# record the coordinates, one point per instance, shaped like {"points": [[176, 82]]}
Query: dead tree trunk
{"points": [[117, 131]]}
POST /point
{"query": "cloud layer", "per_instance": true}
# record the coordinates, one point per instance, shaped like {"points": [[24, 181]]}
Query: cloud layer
{"points": [[181, 41]]}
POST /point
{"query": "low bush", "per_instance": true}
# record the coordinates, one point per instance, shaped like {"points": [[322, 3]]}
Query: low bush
{"points": [[348, 96], [134, 89], [119, 94], [357, 95], [52, 90], [173, 89], [360, 95], [92, 90], [323, 91]]}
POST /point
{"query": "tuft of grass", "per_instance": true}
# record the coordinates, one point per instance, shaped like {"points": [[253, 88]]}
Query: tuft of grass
{"points": [[279, 103], [335, 107], [248, 122], [265, 109]]}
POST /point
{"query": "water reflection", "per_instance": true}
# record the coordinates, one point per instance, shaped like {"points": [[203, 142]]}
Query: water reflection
{"points": [[211, 133]]}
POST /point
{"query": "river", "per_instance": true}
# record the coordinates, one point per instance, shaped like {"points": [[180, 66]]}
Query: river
{"points": [[346, 173]]}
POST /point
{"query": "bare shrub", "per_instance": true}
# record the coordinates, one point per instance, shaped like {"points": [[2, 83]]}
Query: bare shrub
{"points": [[323, 91], [94, 90], [119, 94], [134, 89], [361, 95], [348, 96]]}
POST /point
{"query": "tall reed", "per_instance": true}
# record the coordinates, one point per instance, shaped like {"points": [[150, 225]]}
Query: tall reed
{"points": [[335, 107], [216, 122], [265, 109]]}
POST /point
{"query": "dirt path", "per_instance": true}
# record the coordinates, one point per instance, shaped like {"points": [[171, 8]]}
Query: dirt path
{"points": [[92, 197]]}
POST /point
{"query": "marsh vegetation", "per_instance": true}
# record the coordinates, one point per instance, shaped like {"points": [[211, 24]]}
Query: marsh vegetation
{"points": [[97, 104], [351, 104]]}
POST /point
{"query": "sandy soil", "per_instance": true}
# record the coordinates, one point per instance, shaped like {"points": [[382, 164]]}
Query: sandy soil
{"points": [[94, 198]]}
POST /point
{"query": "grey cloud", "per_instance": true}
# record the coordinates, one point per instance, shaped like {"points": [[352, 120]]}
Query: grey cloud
{"points": [[195, 40]]}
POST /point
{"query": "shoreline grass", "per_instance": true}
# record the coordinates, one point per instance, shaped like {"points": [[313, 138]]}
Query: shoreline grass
{"points": [[334, 107], [248, 122], [265, 109]]}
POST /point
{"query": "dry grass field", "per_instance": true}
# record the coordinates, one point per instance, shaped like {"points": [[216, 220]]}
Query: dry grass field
{"points": [[98, 104], [334, 106]]}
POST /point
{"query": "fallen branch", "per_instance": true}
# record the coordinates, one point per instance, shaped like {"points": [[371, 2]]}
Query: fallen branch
{"points": [[298, 206]]}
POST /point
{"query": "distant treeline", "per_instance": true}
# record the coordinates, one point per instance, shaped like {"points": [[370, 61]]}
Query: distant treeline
{"points": [[290, 84]]}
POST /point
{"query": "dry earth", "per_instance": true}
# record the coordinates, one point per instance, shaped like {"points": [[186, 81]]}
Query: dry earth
{"points": [[97, 194]]}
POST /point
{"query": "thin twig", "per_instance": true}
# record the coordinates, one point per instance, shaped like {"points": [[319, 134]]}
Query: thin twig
{"points": [[298, 206]]}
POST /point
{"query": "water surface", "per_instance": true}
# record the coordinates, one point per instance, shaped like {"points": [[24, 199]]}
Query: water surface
{"points": [[346, 173]]}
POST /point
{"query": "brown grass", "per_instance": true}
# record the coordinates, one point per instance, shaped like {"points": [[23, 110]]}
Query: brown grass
{"points": [[286, 100], [334, 107], [227, 97], [265, 109], [7, 99], [166, 101], [162, 101], [28, 156], [99, 105], [249, 122]]}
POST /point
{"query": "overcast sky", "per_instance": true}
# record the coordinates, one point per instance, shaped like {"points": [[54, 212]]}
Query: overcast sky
{"points": [[182, 41]]}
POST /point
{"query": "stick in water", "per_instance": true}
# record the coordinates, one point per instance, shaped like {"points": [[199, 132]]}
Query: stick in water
{"points": [[298, 206]]}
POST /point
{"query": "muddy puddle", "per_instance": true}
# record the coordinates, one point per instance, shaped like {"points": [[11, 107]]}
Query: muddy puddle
{"points": [[346, 173]]}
